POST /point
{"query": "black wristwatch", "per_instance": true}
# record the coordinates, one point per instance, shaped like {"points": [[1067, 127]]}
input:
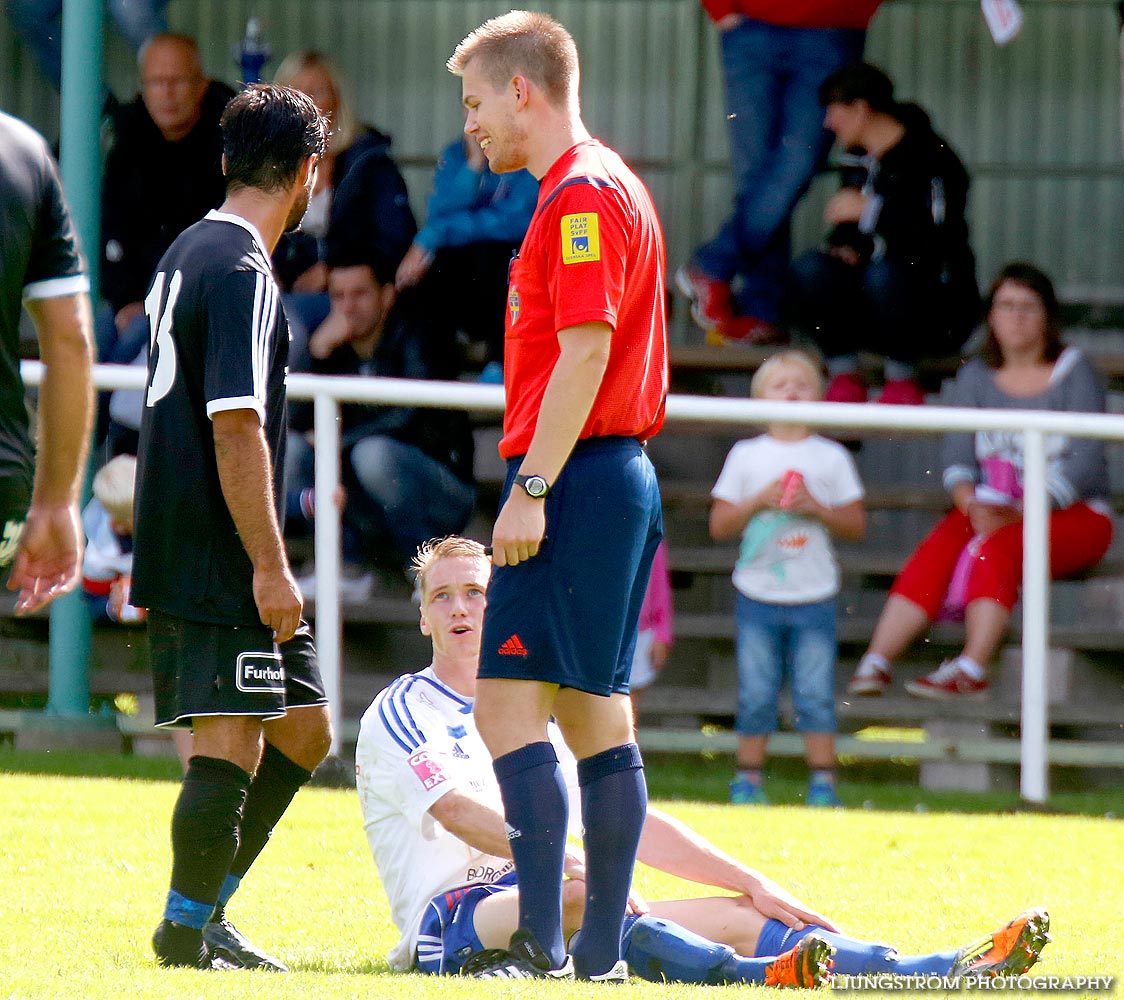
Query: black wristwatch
{"points": [[534, 486]]}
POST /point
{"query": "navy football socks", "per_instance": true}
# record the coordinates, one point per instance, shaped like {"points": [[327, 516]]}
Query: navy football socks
{"points": [[614, 804], [537, 811]]}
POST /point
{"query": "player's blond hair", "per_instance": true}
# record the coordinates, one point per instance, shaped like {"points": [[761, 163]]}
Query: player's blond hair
{"points": [[527, 43], [436, 549], [345, 128], [789, 356], [114, 485]]}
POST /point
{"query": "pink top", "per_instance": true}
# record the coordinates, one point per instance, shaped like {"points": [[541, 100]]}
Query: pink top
{"points": [[655, 612]]}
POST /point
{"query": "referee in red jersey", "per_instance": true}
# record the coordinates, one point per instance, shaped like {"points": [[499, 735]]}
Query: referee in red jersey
{"points": [[586, 376]]}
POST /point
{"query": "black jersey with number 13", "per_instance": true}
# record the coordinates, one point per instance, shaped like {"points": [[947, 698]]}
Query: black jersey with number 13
{"points": [[219, 341]]}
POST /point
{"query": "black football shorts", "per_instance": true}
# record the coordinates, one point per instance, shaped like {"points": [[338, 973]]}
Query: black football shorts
{"points": [[15, 498], [201, 669]]}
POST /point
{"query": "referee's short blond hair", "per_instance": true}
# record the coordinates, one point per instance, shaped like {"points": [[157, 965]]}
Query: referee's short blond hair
{"points": [[114, 486]]}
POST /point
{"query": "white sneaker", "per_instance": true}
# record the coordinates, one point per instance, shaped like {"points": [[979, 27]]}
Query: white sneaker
{"points": [[617, 974]]}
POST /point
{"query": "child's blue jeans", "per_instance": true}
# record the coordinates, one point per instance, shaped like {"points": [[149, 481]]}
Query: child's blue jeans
{"points": [[779, 642]]}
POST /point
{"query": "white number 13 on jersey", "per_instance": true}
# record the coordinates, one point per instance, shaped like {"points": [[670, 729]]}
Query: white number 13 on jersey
{"points": [[160, 336]]}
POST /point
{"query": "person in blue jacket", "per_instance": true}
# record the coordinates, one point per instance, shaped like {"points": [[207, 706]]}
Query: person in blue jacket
{"points": [[475, 221]]}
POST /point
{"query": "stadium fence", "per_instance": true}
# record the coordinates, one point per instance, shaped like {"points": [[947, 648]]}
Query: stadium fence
{"points": [[327, 392]]}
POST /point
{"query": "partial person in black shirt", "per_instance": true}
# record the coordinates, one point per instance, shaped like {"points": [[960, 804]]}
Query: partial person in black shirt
{"points": [[407, 470], [42, 269], [163, 172], [231, 657]]}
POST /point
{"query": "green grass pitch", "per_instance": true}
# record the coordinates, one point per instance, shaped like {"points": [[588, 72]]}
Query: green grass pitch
{"points": [[84, 864]]}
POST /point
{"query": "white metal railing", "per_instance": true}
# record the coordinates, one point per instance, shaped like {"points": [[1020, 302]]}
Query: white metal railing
{"points": [[328, 391]]}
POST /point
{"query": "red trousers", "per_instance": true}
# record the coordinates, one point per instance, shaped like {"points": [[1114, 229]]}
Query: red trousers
{"points": [[1079, 538]]}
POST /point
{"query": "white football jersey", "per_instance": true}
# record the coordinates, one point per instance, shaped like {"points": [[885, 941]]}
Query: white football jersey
{"points": [[418, 741]]}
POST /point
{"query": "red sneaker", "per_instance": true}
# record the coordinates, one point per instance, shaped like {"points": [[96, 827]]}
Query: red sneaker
{"points": [[902, 392], [869, 679], [949, 680], [710, 298], [846, 388], [747, 330]]}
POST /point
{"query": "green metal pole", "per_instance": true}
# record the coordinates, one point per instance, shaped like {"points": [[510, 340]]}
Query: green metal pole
{"points": [[80, 162]]}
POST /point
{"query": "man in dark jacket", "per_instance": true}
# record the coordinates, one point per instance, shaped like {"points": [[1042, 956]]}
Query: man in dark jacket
{"points": [[407, 470], [897, 276], [163, 173]]}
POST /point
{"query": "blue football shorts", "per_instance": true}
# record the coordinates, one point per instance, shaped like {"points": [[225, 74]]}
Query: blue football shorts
{"points": [[446, 935], [568, 615]]}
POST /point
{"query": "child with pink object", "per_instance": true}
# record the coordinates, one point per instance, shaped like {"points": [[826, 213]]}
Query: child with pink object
{"points": [[786, 494], [654, 636]]}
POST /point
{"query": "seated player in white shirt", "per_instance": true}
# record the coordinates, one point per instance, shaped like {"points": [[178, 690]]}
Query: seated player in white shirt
{"points": [[433, 818]]}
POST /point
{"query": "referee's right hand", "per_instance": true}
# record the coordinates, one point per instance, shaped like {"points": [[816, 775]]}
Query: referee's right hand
{"points": [[279, 601]]}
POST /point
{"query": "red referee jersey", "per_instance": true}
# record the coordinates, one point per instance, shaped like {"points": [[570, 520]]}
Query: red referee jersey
{"points": [[594, 252]]}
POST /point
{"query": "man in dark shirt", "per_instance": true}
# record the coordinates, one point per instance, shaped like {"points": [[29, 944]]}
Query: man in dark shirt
{"points": [[163, 172], [231, 657], [41, 267], [407, 470]]}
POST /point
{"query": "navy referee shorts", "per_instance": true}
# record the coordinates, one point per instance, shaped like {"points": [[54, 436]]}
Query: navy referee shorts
{"points": [[568, 615]]}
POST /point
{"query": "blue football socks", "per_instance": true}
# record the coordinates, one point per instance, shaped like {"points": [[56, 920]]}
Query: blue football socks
{"points": [[536, 809], [659, 950], [853, 957]]}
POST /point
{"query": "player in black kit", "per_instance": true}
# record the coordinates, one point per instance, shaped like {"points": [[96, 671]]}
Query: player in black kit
{"points": [[40, 266], [231, 657]]}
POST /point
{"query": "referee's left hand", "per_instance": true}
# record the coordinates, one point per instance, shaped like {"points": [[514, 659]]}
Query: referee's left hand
{"points": [[279, 602]]}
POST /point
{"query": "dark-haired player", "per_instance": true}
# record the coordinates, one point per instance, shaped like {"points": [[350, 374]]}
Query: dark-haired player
{"points": [[585, 374], [231, 657], [40, 266]]}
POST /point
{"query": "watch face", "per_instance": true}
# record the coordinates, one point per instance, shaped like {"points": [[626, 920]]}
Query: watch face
{"points": [[535, 486]]}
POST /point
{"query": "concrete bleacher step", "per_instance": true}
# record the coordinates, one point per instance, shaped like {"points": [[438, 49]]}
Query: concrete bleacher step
{"points": [[681, 702], [978, 754], [715, 626]]}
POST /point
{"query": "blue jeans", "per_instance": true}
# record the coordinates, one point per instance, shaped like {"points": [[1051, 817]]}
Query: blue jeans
{"points": [[397, 497], [407, 496], [849, 308], [39, 24], [777, 143], [118, 347], [775, 642]]}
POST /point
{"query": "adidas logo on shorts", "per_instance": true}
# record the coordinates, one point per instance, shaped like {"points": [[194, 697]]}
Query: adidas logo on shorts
{"points": [[513, 647]]}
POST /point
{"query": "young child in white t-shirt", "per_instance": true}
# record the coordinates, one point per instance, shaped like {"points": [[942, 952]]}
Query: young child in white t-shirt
{"points": [[786, 493]]}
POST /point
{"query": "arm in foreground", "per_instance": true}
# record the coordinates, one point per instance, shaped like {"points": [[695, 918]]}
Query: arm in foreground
{"points": [[673, 847], [482, 827], [566, 405], [245, 471], [48, 561]]}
